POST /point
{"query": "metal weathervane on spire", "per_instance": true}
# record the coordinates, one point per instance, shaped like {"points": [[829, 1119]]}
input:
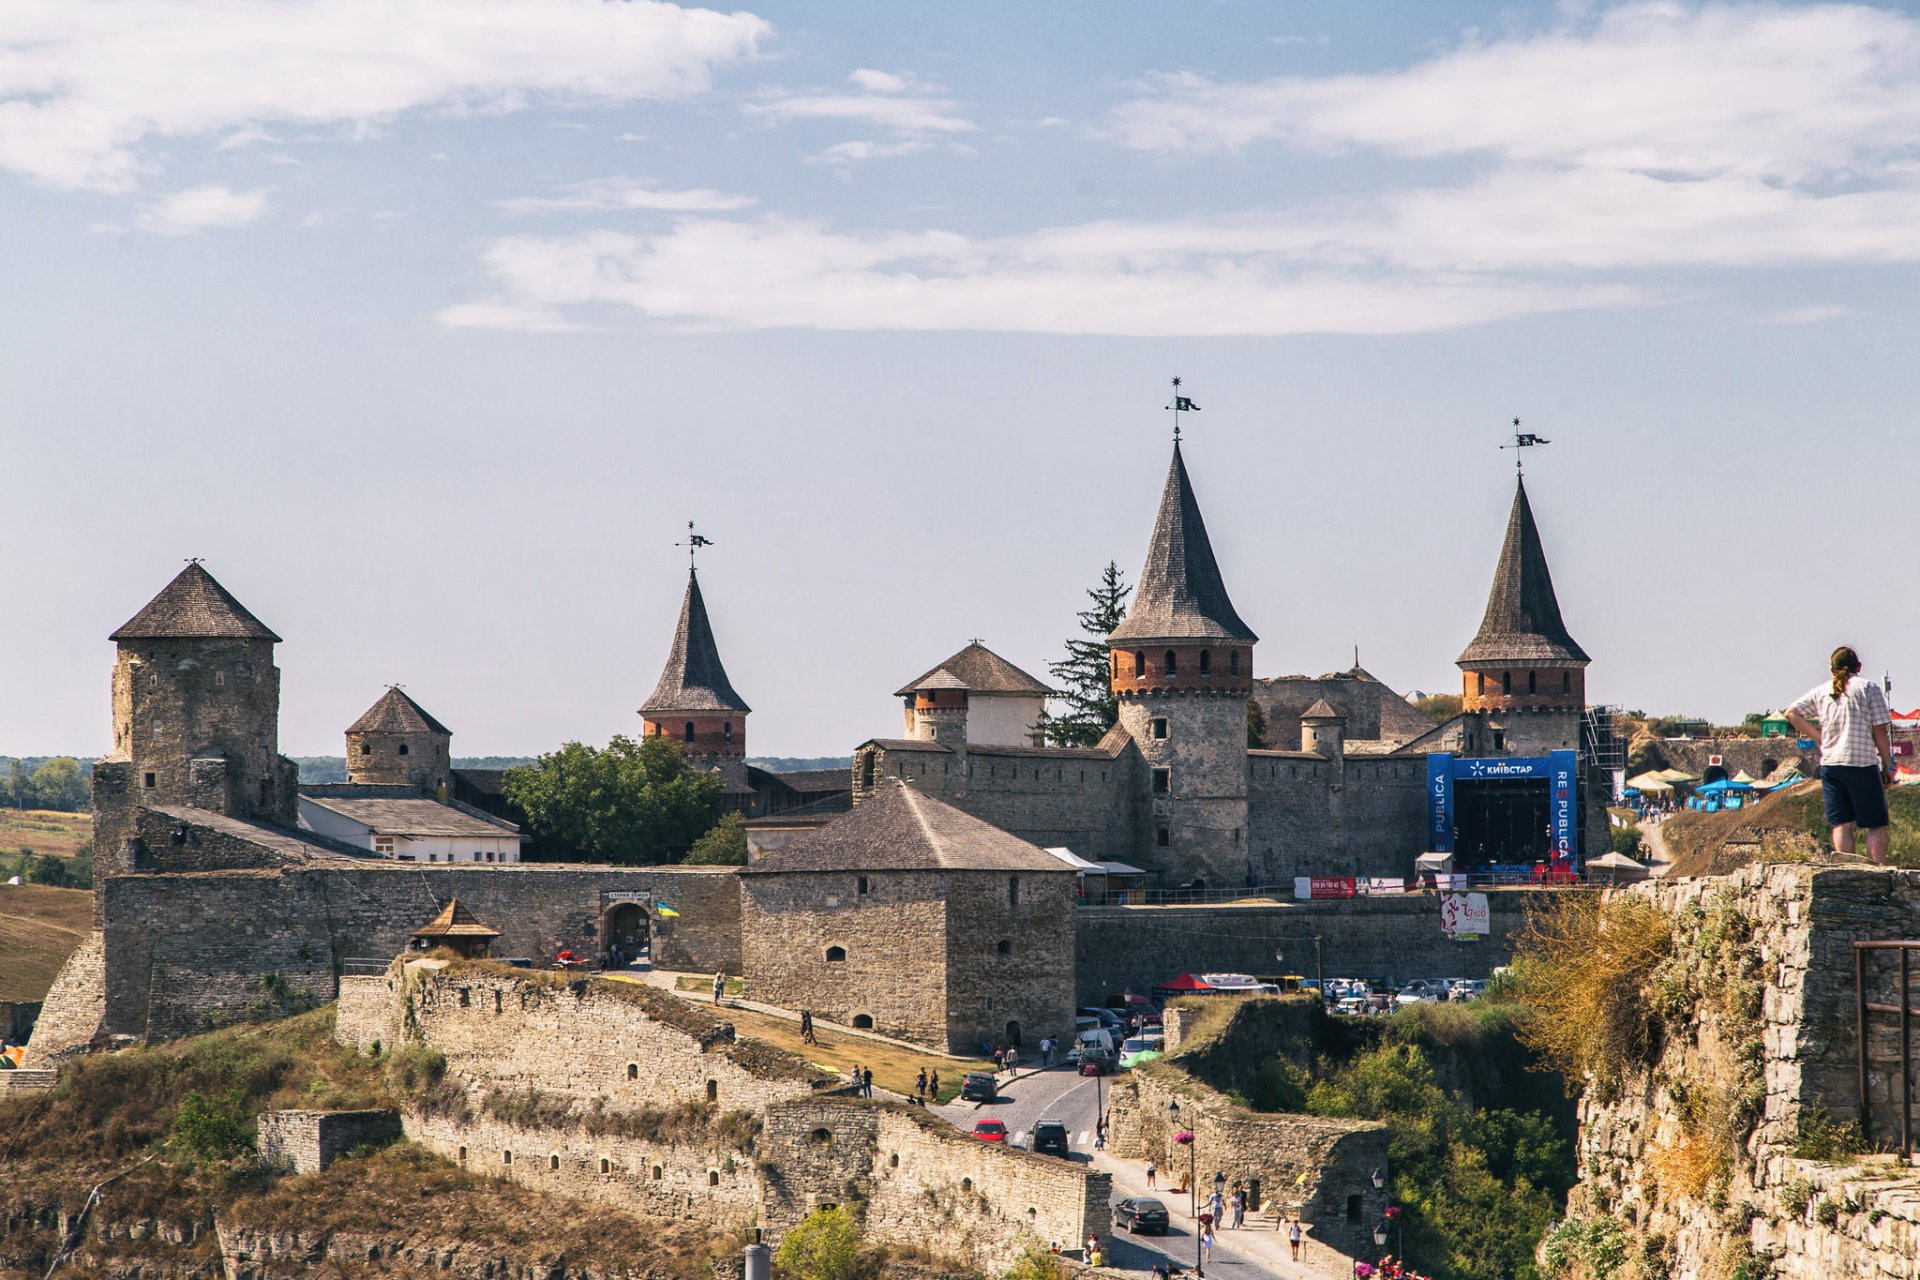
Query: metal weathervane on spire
{"points": [[1181, 404], [1522, 440], [693, 544]]}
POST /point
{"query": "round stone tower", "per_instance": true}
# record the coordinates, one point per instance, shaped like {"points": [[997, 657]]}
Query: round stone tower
{"points": [[1182, 669], [397, 743], [1523, 677], [694, 703]]}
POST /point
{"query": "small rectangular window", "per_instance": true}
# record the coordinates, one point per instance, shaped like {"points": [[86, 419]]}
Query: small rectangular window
{"points": [[149, 780], [1162, 781], [383, 844], [863, 884], [1160, 837], [1159, 728]]}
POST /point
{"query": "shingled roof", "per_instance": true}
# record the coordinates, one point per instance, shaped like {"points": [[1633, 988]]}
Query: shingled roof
{"points": [[1181, 596], [1321, 710], [1523, 616], [395, 712], [194, 606], [455, 921], [694, 679], [977, 669], [898, 828]]}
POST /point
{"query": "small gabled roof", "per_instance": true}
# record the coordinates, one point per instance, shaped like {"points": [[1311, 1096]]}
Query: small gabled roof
{"points": [[899, 828], [455, 921], [194, 606], [395, 712], [1321, 710], [977, 669], [694, 679], [1181, 595], [1522, 622]]}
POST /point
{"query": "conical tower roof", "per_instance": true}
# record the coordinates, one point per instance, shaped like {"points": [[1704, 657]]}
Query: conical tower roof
{"points": [[1523, 616], [194, 606], [395, 712], [694, 679], [455, 921], [1180, 596]]}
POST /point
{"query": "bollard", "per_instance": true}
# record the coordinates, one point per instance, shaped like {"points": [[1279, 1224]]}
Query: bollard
{"points": [[759, 1262]]}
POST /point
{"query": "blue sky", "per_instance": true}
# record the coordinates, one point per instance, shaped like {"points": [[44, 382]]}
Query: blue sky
{"points": [[429, 325]]}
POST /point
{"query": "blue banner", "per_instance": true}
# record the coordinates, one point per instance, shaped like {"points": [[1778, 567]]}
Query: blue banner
{"points": [[1566, 809], [1560, 770], [1440, 802]]}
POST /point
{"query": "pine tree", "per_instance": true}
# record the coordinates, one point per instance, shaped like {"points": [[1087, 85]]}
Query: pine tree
{"points": [[1084, 675]]}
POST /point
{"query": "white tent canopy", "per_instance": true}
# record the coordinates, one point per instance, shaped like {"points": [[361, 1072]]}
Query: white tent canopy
{"points": [[1433, 862]]}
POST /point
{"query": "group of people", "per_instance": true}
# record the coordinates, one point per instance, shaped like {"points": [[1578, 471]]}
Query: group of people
{"points": [[862, 1080], [927, 1086], [1005, 1057]]}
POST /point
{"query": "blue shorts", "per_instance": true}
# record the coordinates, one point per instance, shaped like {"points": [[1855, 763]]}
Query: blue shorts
{"points": [[1853, 793]]}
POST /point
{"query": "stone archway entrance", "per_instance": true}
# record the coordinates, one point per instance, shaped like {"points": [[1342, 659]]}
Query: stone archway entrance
{"points": [[624, 934]]}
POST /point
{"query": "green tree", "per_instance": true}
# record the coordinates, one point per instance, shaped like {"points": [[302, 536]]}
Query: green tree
{"points": [[1256, 726], [724, 845], [58, 784], [634, 803], [1085, 674], [47, 869], [1439, 707], [825, 1245], [212, 1128]]}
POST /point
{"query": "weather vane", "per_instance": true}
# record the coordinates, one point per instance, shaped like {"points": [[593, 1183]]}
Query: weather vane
{"points": [[1181, 404], [693, 544], [195, 559], [1522, 440]]}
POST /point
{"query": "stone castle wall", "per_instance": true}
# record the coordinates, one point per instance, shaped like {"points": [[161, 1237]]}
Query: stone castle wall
{"points": [[1196, 756], [309, 1141], [369, 1012], [1358, 816], [1135, 948], [186, 951], [1009, 964]]}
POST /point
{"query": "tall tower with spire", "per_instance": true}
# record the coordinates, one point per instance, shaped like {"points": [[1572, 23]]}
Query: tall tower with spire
{"points": [[1182, 669], [694, 703], [1523, 676]]}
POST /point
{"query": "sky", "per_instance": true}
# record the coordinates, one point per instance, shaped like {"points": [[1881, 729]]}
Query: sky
{"points": [[429, 325]]}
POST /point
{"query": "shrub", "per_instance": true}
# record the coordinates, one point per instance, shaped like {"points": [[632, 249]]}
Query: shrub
{"points": [[1627, 840], [1036, 1263], [1796, 1197], [1827, 1213], [724, 845], [825, 1245], [1821, 1137], [212, 1128], [1589, 968]]}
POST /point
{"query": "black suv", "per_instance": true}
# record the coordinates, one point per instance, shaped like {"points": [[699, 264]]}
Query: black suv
{"points": [[1050, 1138], [979, 1086], [1141, 1214]]}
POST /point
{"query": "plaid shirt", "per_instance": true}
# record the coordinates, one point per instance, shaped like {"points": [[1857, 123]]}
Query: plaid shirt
{"points": [[1846, 722]]}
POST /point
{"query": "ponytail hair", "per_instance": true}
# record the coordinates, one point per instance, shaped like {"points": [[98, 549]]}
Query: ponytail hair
{"points": [[1844, 663]]}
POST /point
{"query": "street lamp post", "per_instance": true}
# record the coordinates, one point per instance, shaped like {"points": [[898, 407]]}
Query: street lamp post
{"points": [[1184, 1137]]}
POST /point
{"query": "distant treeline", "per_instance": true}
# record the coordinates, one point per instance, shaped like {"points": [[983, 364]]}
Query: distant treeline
{"points": [[46, 782], [334, 768], [790, 764]]}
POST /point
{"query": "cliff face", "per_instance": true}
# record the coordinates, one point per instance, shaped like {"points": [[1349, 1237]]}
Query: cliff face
{"points": [[1730, 1150]]}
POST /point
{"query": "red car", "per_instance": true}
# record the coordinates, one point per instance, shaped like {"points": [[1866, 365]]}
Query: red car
{"points": [[990, 1131]]}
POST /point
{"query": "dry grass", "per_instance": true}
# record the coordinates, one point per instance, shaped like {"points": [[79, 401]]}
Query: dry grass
{"points": [[45, 831], [893, 1067], [39, 928], [1713, 844], [1588, 966]]}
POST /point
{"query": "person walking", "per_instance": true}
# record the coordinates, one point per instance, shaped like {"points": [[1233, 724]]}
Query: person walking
{"points": [[1850, 716], [1152, 1169], [1206, 1245], [933, 1085], [719, 985], [920, 1085], [866, 1078], [806, 1027], [1215, 1204], [1293, 1238], [1238, 1204]]}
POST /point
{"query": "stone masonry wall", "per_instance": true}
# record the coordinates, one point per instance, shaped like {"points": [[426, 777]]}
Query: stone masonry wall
{"points": [[1784, 1048], [75, 1010], [1268, 1153], [369, 1011], [1024, 992], [1133, 948], [309, 1141], [893, 939], [591, 1041], [1361, 816], [915, 1178]]}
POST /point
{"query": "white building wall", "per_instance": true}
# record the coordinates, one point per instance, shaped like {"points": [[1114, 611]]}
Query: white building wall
{"points": [[502, 848], [1002, 719]]}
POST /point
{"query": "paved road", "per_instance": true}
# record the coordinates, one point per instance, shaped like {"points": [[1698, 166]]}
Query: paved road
{"points": [[1060, 1094]]}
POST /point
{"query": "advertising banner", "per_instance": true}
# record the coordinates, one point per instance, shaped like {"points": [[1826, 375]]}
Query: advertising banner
{"points": [[1377, 885], [1450, 881], [1305, 887], [1564, 811], [1464, 913], [1440, 802]]}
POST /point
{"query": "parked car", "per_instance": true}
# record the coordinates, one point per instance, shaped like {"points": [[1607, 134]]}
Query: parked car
{"points": [[1142, 1215], [1096, 1063], [1105, 1017], [1050, 1139], [990, 1131], [979, 1086], [1140, 1049]]}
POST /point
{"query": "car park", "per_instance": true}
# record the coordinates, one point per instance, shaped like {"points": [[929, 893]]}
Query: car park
{"points": [[1049, 1139], [1142, 1215], [1104, 1017], [990, 1131], [979, 1086]]}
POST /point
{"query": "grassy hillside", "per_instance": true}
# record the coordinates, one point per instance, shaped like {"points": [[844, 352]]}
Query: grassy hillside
{"points": [[44, 831], [1788, 826], [39, 927]]}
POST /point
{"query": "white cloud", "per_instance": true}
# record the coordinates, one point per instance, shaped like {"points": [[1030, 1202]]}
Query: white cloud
{"points": [[627, 193], [506, 317], [83, 86], [1817, 314], [1760, 90], [879, 81], [856, 151], [197, 208], [913, 110], [1204, 279]]}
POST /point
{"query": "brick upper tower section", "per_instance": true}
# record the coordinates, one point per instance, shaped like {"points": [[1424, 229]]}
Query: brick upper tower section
{"points": [[397, 742], [694, 703], [1182, 633], [1522, 657]]}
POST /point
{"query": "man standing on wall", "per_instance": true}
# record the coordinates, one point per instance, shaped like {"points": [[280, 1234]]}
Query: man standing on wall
{"points": [[1856, 752]]}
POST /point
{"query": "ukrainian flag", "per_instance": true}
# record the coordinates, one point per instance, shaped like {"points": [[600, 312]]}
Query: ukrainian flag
{"points": [[665, 912]]}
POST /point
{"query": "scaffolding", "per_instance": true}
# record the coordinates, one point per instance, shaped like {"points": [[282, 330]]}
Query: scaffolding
{"points": [[1601, 741]]}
